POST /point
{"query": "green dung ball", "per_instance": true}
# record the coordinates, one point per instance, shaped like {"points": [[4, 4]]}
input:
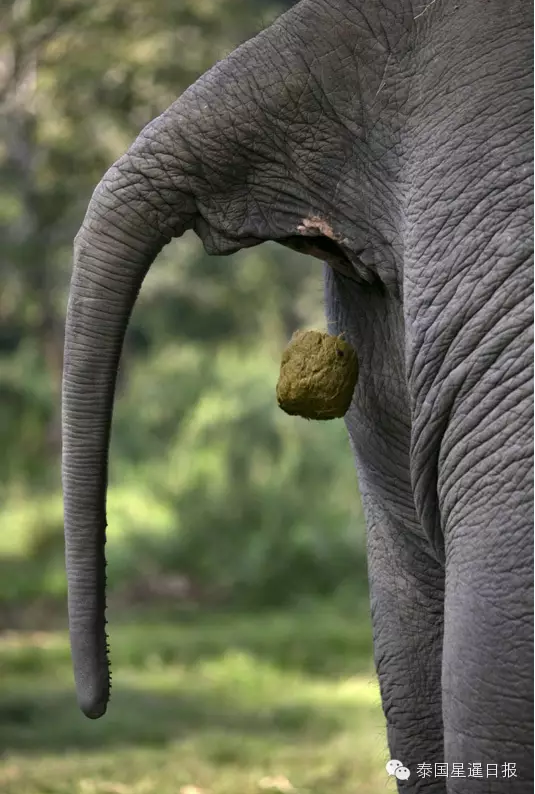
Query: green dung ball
{"points": [[318, 376]]}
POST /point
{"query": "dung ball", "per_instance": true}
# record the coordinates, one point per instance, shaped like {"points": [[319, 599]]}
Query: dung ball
{"points": [[318, 376]]}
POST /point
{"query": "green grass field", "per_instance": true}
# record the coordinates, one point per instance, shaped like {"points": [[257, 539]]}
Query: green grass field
{"points": [[201, 704]]}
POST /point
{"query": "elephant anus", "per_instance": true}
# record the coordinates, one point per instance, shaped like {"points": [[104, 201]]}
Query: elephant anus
{"points": [[393, 141]]}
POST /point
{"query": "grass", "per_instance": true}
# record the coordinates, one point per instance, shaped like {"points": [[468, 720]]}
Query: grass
{"points": [[201, 704]]}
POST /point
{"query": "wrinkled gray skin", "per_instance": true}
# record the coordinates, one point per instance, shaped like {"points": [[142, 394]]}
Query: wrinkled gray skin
{"points": [[393, 141]]}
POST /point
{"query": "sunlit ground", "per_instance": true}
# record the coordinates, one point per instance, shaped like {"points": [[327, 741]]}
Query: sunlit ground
{"points": [[206, 704]]}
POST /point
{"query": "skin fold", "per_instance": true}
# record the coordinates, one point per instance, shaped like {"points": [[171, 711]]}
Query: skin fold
{"points": [[393, 140]]}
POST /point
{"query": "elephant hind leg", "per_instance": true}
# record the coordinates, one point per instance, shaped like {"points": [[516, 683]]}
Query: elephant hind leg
{"points": [[407, 608], [485, 488]]}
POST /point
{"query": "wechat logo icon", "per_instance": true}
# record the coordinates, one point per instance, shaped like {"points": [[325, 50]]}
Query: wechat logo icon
{"points": [[397, 769]]}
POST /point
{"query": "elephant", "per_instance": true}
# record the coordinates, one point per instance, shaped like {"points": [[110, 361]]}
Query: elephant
{"points": [[393, 141]]}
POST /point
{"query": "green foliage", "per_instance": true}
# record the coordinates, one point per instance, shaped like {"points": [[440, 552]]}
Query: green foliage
{"points": [[209, 481], [257, 503]]}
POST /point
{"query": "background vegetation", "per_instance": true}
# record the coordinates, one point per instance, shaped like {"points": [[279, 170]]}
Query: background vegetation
{"points": [[219, 503]]}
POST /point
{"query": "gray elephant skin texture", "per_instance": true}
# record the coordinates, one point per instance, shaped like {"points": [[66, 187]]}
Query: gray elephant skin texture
{"points": [[393, 140]]}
